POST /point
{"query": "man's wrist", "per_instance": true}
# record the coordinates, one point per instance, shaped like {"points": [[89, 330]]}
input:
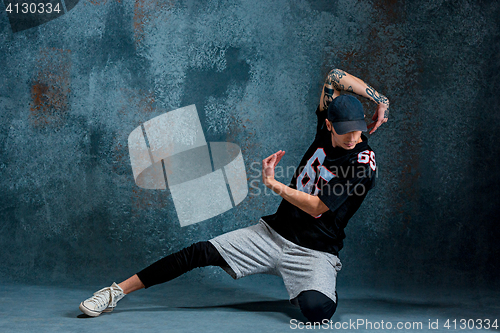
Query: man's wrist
{"points": [[385, 101], [269, 181]]}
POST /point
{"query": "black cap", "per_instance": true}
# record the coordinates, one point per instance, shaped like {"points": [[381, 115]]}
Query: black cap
{"points": [[346, 115]]}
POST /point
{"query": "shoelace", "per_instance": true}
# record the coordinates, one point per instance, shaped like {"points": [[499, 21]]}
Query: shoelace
{"points": [[105, 296]]}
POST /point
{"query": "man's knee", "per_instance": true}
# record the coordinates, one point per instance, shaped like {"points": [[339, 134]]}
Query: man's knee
{"points": [[316, 306]]}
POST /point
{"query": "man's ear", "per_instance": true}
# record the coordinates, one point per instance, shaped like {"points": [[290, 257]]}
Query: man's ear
{"points": [[328, 125]]}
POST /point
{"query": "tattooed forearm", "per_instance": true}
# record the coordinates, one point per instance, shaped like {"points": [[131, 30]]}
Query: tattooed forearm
{"points": [[378, 98], [386, 112], [327, 97], [334, 77]]}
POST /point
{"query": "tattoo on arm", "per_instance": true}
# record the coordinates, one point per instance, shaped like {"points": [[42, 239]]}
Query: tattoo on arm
{"points": [[350, 89], [328, 97], [378, 98], [386, 112], [334, 79]]}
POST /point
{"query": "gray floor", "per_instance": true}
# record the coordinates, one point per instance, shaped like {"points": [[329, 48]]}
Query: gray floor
{"points": [[253, 304]]}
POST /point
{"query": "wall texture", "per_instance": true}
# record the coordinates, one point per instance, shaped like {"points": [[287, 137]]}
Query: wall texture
{"points": [[72, 89]]}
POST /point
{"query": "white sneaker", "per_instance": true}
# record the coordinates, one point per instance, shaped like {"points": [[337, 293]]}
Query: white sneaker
{"points": [[103, 300]]}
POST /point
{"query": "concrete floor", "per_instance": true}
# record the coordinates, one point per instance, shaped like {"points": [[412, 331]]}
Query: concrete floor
{"points": [[252, 304]]}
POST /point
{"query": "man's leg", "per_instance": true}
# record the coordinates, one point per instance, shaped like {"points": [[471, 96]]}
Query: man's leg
{"points": [[197, 255], [131, 284], [200, 254], [310, 277], [316, 306]]}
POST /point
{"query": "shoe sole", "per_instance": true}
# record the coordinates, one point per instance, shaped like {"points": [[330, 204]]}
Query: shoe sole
{"points": [[92, 313]]}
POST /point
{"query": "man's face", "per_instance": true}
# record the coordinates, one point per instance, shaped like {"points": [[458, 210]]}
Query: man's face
{"points": [[346, 141]]}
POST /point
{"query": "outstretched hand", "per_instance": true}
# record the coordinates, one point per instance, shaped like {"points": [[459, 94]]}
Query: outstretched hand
{"points": [[381, 116], [268, 165]]}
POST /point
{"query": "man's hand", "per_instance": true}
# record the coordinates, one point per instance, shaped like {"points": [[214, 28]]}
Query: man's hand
{"points": [[268, 165], [381, 116], [310, 204]]}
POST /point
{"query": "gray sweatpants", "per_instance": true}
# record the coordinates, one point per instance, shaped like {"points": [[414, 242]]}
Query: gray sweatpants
{"points": [[260, 249]]}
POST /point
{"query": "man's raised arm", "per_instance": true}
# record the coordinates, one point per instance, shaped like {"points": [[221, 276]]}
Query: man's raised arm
{"points": [[338, 80]]}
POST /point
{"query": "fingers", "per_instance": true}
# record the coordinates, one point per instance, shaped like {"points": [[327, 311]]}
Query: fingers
{"points": [[378, 118], [279, 155], [376, 125], [268, 159], [276, 155], [273, 160], [374, 128]]}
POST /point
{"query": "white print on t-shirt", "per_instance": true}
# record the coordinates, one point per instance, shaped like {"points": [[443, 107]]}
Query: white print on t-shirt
{"points": [[313, 171], [367, 156]]}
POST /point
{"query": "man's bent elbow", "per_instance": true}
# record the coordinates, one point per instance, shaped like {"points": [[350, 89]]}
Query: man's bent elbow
{"points": [[318, 210]]}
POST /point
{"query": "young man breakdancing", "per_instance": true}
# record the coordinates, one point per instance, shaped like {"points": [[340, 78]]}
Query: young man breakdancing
{"points": [[301, 241]]}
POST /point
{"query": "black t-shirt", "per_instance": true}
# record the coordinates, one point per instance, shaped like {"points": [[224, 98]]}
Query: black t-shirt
{"points": [[340, 178]]}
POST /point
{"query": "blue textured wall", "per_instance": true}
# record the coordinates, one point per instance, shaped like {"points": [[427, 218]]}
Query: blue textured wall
{"points": [[72, 89]]}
